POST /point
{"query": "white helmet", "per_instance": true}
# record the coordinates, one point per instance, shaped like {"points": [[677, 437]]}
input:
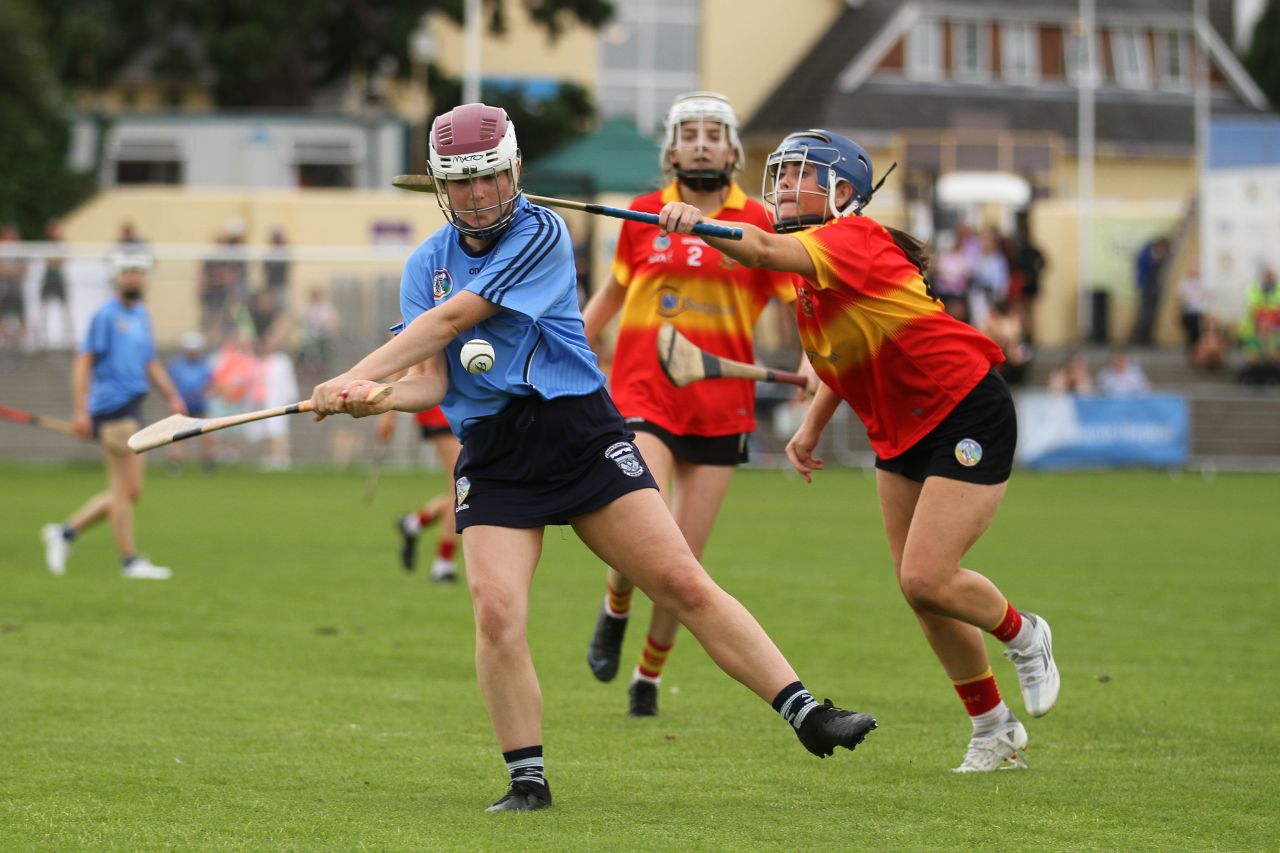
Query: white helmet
{"points": [[474, 141], [706, 107]]}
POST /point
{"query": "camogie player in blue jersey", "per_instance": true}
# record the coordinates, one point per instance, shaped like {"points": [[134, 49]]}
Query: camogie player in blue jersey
{"points": [[542, 443], [109, 379]]}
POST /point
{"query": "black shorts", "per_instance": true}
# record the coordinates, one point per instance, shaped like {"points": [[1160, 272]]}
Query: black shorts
{"points": [[697, 449], [131, 409], [433, 431], [974, 443], [540, 462]]}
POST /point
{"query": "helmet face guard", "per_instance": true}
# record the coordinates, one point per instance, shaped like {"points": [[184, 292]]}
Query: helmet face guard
{"points": [[475, 163], [697, 123], [834, 160]]}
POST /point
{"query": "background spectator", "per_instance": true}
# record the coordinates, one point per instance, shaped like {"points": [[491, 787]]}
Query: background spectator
{"points": [[319, 327], [192, 374], [1025, 267], [130, 240], [53, 294], [1122, 377], [1194, 304], [1004, 326], [949, 275], [1148, 280], [276, 265], [1072, 376], [990, 281], [1260, 331], [13, 303]]}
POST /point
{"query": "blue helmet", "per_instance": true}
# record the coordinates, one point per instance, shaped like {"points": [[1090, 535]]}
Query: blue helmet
{"points": [[836, 158]]}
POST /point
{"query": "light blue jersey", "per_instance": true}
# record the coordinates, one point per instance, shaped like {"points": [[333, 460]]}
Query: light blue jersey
{"points": [[192, 377], [538, 340], [120, 341]]}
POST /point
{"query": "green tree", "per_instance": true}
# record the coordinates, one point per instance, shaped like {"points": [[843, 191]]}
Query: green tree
{"points": [[1262, 59], [35, 183]]}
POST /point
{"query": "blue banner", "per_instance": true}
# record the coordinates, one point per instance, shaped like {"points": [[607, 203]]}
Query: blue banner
{"points": [[1060, 431]]}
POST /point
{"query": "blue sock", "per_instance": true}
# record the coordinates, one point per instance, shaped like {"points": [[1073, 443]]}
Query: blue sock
{"points": [[794, 703], [125, 561], [525, 765]]}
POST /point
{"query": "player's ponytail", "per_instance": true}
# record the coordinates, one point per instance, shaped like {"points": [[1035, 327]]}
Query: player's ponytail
{"points": [[914, 249]]}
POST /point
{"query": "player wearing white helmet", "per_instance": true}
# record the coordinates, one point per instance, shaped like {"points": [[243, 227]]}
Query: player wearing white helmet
{"points": [[940, 419], [109, 379], [542, 443], [692, 437]]}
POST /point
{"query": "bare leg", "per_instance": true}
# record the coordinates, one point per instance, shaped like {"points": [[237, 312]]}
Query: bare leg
{"points": [[500, 566], [661, 463], [953, 605], [637, 535], [125, 471], [695, 501]]}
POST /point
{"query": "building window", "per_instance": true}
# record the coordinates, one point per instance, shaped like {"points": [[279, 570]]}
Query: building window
{"points": [[648, 56], [1131, 58], [323, 163], [924, 51], [148, 161], [1019, 53], [971, 50], [1080, 57], [148, 172], [1173, 58]]}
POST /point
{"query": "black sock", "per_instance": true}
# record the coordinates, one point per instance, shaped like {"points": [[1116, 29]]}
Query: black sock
{"points": [[794, 703], [525, 765], [68, 533], [125, 561]]}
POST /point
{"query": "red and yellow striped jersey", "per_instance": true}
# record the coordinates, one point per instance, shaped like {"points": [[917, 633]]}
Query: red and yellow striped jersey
{"points": [[713, 300], [879, 340]]}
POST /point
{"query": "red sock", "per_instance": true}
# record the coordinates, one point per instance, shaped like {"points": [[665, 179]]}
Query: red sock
{"points": [[425, 518], [446, 548], [1009, 626], [979, 694]]}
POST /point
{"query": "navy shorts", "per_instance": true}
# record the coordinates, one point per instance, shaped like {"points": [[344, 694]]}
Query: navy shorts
{"points": [[697, 449], [974, 443], [540, 462], [131, 409]]}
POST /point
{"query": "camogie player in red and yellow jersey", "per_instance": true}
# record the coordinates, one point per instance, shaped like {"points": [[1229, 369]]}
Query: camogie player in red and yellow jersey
{"points": [[692, 437], [940, 419]]}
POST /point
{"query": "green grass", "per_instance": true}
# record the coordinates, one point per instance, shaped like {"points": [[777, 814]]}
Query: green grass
{"points": [[293, 689]]}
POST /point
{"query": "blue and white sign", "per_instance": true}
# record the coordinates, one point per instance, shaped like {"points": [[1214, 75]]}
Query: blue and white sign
{"points": [[1058, 431]]}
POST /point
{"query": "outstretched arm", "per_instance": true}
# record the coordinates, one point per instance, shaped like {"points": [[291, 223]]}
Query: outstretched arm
{"points": [[801, 446], [425, 337], [757, 248]]}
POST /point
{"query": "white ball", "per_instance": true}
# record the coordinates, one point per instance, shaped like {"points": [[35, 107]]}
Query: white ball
{"points": [[477, 356]]}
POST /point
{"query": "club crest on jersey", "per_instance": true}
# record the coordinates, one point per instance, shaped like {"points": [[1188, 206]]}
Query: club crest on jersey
{"points": [[624, 456], [662, 242], [441, 284], [968, 452], [461, 489], [806, 301]]}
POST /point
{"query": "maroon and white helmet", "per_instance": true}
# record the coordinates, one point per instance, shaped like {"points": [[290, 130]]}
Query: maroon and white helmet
{"points": [[468, 142]]}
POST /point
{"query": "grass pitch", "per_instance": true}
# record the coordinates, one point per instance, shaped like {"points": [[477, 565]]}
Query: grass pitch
{"points": [[292, 689]]}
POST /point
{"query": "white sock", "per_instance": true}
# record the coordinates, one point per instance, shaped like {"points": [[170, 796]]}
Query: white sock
{"points": [[411, 524], [989, 720], [638, 676], [1022, 641]]}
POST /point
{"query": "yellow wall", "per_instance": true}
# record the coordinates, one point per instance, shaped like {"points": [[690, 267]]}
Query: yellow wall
{"points": [[524, 50]]}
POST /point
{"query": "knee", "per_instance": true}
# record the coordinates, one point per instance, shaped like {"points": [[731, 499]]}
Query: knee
{"points": [[684, 591], [497, 618], [133, 493], [922, 591]]}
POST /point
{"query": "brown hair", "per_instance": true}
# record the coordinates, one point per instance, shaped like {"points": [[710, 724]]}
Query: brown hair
{"points": [[913, 248]]}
